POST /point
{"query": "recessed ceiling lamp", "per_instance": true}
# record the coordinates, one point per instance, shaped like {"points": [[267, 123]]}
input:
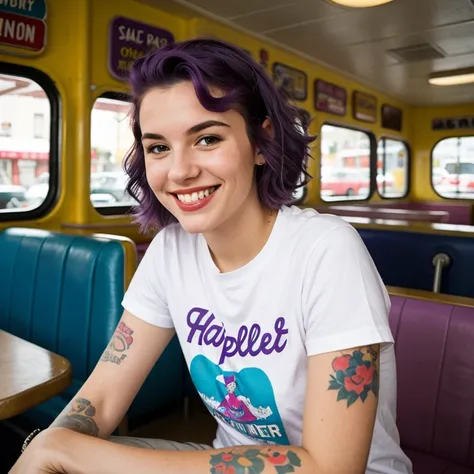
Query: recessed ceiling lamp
{"points": [[360, 3], [452, 78]]}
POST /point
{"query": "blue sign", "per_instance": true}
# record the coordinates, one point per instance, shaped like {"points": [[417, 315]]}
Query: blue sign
{"points": [[30, 8]]}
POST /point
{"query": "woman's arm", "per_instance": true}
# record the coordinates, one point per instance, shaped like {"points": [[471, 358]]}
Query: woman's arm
{"points": [[339, 418], [101, 403]]}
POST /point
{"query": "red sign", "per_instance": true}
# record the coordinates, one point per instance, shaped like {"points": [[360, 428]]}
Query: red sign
{"points": [[22, 32], [23, 155]]}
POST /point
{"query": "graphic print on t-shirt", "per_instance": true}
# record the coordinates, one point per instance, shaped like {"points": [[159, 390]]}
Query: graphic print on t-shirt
{"points": [[244, 400]]}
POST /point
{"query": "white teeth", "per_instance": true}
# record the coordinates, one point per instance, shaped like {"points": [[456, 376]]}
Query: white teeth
{"points": [[188, 198]]}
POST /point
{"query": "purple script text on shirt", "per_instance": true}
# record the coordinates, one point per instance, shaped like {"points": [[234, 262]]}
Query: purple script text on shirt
{"points": [[248, 341]]}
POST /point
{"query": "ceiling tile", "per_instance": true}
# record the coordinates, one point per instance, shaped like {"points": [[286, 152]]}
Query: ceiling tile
{"points": [[453, 40], [285, 15], [231, 8]]}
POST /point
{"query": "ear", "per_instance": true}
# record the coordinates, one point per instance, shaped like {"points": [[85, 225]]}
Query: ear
{"points": [[267, 126]]}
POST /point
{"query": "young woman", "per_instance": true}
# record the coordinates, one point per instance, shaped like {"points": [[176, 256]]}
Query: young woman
{"points": [[280, 312]]}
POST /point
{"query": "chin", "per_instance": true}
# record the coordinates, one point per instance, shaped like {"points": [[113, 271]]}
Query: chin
{"points": [[197, 224]]}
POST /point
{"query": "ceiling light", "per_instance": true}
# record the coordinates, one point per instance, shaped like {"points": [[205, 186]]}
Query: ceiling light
{"points": [[360, 3], [452, 78]]}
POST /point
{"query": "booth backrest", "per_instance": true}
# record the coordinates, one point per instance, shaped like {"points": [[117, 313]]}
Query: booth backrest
{"points": [[434, 347], [405, 259], [63, 292]]}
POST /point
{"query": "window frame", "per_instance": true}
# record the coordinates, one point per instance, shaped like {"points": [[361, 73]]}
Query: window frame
{"points": [[454, 199], [372, 161], [409, 160], [111, 211], [55, 144]]}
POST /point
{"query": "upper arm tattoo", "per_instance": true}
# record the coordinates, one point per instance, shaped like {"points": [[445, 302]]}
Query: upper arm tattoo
{"points": [[253, 460], [79, 418], [356, 375], [118, 345]]}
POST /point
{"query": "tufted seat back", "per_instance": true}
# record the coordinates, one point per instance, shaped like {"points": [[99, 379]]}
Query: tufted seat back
{"points": [[434, 347], [63, 292]]}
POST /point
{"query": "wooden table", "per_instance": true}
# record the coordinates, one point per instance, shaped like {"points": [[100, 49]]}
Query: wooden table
{"points": [[29, 375]]}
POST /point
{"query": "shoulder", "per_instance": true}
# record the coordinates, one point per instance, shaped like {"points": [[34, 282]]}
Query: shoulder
{"points": [[312, 230]]}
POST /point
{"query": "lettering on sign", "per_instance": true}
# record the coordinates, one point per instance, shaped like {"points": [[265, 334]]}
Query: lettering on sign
{"points": [[30, 8], [330, 98], [364, 107], [22, 32], [129, 40], [453, 123]]}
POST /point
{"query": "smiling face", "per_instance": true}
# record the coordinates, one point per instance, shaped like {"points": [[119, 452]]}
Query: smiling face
{"points": [[199, 164]]}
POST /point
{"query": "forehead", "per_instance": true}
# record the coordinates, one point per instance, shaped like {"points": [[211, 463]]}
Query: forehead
{"points": [[178, 106]]}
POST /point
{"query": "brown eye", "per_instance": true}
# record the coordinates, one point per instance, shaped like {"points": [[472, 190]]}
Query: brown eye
{"points": [[209, 140], [157, 149]]}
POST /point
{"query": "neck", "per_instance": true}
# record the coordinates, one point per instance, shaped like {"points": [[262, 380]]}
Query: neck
{"points": [[241, 238]]}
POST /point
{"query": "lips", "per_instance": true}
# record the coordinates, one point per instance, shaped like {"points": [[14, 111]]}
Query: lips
{"points": [[198, 203]]}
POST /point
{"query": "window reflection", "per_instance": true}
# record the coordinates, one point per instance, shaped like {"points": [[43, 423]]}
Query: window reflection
{"points": [[452, 172], [345, 164], [25, 118]]}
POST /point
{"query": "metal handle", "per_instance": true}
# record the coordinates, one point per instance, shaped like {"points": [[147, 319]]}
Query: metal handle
{"points": [[440, 260]]}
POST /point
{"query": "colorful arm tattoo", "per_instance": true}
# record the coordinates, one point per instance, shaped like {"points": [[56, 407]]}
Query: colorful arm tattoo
{"points": [[79, 418], [118, 345], [356, 375], [253, 461]]}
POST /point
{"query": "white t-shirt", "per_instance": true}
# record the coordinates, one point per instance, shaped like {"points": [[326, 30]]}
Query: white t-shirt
{"points": [[246, 335]]}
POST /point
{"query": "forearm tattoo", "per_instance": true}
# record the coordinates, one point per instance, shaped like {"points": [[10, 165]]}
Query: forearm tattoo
{"points": [[254, 461], [118, 345], [356, 375], [79, 418]]}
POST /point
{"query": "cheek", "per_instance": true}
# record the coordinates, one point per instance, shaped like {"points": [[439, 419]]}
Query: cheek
{"points": [[156, 175]]}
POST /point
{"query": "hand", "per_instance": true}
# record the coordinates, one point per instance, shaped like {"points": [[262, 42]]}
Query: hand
{"points": [[40, 457]]}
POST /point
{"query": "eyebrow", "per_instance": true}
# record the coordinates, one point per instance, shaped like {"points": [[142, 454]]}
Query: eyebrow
{"points": [[193, 130]]}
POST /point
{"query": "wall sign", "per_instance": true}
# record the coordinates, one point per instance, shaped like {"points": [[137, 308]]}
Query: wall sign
{"points": [[22, 24], [364, 107], [330, 98], [292, 80], [454, 123], [392, 117], [129, 40]]}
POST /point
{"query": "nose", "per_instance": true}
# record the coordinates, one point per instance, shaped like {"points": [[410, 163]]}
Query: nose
{"points": [[183, 168]]}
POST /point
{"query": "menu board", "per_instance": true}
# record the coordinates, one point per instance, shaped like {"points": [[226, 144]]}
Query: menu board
{"points": [[330, 98], [129, 40], [292, 80], [392, 117], [364, 107], [22, 24]]}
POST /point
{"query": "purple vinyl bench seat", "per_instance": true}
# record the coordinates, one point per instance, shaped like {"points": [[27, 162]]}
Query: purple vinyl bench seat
{"points": [[434, 345]]}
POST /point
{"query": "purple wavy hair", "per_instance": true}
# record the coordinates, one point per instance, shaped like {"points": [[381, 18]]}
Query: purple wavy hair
{"points": [[249, 90]]}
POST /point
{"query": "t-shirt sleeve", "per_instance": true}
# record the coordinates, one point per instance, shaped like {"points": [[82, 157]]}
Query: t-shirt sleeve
{"points": [[345, 303], [145, 297]]}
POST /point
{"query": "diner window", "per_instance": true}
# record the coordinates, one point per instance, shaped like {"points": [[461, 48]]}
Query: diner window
{"points": [[111, 138], [24, 156], [452, 168], [392, 168], [345, 164]]}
